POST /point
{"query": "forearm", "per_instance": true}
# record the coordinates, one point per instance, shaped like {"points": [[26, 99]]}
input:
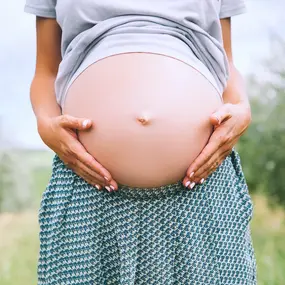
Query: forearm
{"points": [[235, 91], [42, 95]]}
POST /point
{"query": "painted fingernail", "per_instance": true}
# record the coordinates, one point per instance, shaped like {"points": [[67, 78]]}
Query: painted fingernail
{"points": [[192, 185], [187, 184], [202, 180], [85, 123], [108, 188], [97, 186], [112, 187], [192, 174], [218, 119], [106, 178]]}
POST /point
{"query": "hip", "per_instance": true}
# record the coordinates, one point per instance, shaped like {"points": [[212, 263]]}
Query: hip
{"points": [[117, 237]]}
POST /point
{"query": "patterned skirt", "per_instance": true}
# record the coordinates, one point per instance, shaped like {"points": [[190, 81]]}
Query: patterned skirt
{"points": [[161, 236]]}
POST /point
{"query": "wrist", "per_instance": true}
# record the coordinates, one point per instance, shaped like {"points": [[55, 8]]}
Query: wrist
{"points": [[43, 121], [245, 104], [245, 110]]}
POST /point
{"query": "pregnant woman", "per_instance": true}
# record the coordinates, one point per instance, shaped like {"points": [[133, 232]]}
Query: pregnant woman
{"points": [[142, 104]]}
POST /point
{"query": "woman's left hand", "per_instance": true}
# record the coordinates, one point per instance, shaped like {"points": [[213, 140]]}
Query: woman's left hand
{"points": [[230, 121]]}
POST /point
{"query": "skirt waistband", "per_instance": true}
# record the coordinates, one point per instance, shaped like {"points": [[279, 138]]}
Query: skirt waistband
{"points": [[64, 175], [152, 192]]}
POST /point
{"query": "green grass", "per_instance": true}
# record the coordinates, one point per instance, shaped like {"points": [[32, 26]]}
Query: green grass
{"points": [[268, 231], [19, 246], [40, 177]]}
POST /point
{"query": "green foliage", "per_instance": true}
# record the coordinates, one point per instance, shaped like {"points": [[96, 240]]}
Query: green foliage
{"points": [[262, 148], [21, 173], [7, 183], [19, 248]]}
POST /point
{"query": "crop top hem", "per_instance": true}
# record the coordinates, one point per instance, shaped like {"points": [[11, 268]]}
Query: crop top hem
{"points": [[40, 11], [226, 13], [168, 46]]}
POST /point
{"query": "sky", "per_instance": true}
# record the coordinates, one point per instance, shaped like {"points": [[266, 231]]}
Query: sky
{"points": [[251, 45]]}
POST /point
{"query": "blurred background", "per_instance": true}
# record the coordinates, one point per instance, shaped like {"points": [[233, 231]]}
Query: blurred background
{"points": [[25, 162]]}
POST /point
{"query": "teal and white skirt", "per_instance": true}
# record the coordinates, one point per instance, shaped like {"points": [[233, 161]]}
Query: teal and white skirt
{"points": [[162, 236]]}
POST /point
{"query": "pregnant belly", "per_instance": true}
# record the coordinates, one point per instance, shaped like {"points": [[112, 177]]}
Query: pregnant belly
{"points": [[150, 114]]}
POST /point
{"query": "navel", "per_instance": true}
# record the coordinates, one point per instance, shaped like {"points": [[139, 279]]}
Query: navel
{"points": [[143, 120]]}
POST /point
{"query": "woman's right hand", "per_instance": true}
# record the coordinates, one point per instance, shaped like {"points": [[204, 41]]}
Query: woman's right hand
{"points": [[59, 134]]}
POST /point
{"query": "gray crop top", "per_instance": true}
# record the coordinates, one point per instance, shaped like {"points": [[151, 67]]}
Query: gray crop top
{"points": [[170, 27]]}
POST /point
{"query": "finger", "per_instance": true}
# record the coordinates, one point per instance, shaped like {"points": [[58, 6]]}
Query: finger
{"points": [[188, 183], [77, 150], [220, 137], [202, 175], [203, 157], [112, 183], [222, 114], [67, 121], [205, 168], [92, 173], [87, 177], [79, 166]]}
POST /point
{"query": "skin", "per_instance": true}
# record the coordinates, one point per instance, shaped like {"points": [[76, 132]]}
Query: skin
{"points": [[59, 132], [147, 122], [230, 121]]}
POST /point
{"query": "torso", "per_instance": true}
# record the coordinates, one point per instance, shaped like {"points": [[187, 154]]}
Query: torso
{"points": [[150, 113], [122, 23]]}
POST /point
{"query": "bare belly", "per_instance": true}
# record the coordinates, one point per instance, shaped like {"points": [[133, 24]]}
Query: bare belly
{"points": [[150, 114]]}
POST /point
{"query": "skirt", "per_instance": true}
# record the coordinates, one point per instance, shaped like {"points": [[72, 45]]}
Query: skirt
{"points": [[168, 235]]}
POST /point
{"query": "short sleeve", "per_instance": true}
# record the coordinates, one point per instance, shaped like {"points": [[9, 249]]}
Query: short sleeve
{"points": [[231, 8], [41, 8]]}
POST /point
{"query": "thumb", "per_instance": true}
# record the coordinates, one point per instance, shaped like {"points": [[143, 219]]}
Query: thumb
{"points": [[67, 121], [222, 114]]}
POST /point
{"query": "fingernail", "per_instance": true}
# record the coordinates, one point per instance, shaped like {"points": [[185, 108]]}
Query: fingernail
{"points": [[192, 185], [202, 180], [97, 186], [108, 188], [187, 184], [112, 187], [218, 118], [106, 178], [85, 123], [192, 174]]}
